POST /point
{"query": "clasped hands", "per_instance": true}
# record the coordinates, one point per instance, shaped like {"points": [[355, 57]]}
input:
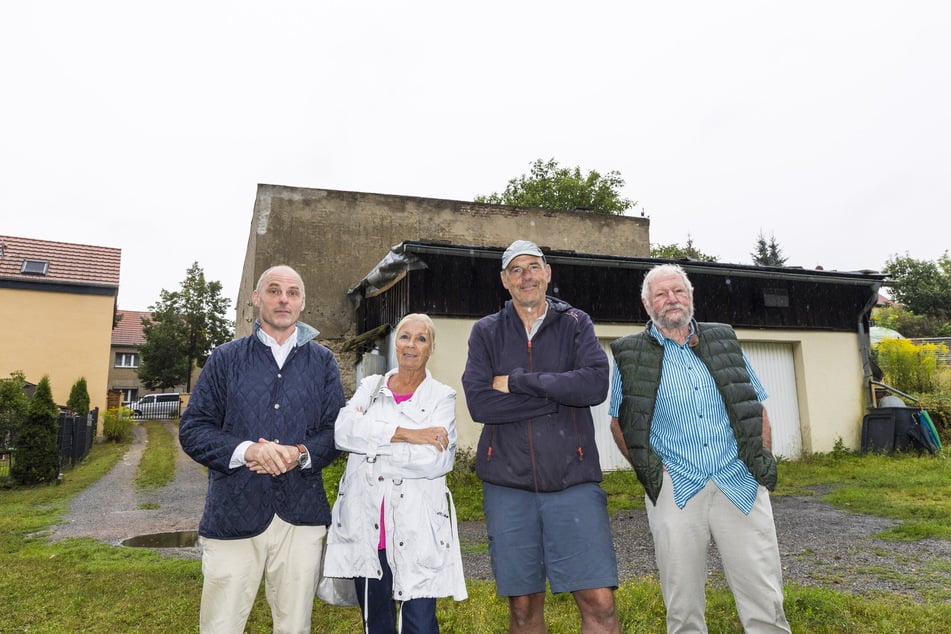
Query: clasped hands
{"points": [[272, 458]]}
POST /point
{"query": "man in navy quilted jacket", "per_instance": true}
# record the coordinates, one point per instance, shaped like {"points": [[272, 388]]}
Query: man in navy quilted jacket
{"points": [[261, 418]]}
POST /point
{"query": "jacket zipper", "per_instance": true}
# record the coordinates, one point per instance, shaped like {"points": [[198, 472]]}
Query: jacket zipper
{"points": [[574, 422], [531, 442]]}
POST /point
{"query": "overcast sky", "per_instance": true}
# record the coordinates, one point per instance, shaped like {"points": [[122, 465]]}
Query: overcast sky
{"points": [[147, 127]]}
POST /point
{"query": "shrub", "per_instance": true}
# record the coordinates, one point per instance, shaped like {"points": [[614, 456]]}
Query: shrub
{"points": [[910, 367], [14, 406], [79, 397], [938, 405], [37, 458], [117, 424]]}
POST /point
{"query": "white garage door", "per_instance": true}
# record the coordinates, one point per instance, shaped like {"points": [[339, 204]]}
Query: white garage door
{"points": [[611, 457], [773, 363]]}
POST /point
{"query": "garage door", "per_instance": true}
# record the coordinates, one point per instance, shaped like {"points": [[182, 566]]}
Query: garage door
{"points": [[776, 368]]}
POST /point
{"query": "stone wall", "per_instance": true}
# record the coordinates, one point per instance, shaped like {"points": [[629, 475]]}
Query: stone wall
{"points": [[334, 238]]}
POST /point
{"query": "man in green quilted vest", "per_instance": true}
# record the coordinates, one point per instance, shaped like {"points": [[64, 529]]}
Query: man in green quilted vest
{"points": [[686, 411]]}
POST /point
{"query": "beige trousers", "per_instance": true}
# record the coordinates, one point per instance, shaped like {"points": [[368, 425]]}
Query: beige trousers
{"points": [[748, 551], [287, 556]]}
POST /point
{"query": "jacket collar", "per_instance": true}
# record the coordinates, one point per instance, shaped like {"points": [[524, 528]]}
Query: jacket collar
{"points": [[305, 332]]}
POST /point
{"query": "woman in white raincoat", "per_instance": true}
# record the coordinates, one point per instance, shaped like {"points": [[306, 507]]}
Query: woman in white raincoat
{"points": [[394, 525]]}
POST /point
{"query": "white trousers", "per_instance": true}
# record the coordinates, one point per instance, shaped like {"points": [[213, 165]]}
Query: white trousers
{"points": [[748, 551], [287, 556]]}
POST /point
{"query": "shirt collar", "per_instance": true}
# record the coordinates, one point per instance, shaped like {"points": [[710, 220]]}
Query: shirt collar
{"points": [[538, 322], [272, 343], [655, 331]]}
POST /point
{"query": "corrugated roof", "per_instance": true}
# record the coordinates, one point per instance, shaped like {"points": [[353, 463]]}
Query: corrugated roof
{"points": [[129, 330], [68, 262]]}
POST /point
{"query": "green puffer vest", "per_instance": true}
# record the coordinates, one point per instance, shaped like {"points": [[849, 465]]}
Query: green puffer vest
{"points": [[639, 358]]}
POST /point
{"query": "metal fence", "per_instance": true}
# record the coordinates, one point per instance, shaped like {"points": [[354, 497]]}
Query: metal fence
{"points": [[74, 437]]}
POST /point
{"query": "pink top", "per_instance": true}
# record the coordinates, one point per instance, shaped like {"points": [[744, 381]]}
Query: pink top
{"points": [[399, 398]]}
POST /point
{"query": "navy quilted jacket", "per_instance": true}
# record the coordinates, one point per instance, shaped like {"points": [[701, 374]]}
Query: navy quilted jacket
{"points": [[242, 395]]}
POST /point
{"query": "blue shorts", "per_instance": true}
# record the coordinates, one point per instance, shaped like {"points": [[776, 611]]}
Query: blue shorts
{"points": [[564, 536]]}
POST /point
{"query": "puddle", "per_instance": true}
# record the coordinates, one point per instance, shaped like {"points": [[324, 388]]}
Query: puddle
{"points": [[178, 539]]}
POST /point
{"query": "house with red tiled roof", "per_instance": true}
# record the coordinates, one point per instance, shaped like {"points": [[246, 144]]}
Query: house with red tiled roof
{"points": [[127, 336], [57, 301]]}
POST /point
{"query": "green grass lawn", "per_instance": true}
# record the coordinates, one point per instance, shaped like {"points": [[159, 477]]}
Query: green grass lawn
{"points": [[81, 585]]}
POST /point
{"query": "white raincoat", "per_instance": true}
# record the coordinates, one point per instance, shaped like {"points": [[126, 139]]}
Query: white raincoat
{"points": [[422, 539]]}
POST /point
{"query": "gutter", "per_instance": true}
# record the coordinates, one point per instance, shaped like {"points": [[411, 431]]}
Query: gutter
{"points": [[860, 278], [865, 344]]}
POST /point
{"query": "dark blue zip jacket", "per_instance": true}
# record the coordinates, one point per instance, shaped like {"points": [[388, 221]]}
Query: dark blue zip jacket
{"points": [[540, 436], [241, 395]]}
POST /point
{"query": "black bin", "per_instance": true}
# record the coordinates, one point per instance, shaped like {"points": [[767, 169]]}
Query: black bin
{"points": [[886, 429]]}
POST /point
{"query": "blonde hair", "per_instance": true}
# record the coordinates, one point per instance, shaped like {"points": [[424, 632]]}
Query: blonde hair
{"points": [[426, 320]]}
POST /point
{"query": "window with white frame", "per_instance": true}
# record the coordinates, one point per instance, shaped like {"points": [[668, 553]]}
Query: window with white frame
{"points": [[127, 359], [129, 394]]}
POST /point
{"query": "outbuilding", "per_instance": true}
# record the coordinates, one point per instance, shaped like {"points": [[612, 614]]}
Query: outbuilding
{"points": [[805, 331]]}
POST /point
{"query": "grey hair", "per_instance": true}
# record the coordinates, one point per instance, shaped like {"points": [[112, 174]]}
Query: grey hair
{"points": [[426, 320], [664, 269]]}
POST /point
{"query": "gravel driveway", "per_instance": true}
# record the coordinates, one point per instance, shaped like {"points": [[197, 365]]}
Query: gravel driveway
{"points": [[819, 545]]}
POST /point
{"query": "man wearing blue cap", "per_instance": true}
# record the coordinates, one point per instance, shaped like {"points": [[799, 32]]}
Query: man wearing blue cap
{"points": [[534, 370]]}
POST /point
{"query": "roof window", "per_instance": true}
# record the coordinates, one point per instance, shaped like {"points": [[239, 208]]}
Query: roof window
{"points": [[35, 267]]}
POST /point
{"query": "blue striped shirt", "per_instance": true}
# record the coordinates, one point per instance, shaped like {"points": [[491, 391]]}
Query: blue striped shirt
{"points": [[691, 430]]}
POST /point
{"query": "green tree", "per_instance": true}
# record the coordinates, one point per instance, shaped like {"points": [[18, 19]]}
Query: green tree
{"points": [[552, 187], [900, 319], [185, 326], [768, 253], [13, 407], [923, 287], [79, 397], [37, 456], [162, 365], [676, 252]]}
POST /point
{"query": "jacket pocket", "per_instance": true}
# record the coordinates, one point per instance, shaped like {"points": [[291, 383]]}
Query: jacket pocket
{"points": [[435, 553], [347, 515]]}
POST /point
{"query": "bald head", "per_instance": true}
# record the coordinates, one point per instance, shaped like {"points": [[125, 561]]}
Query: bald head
{"points": [[281, 270], [279, 297]]}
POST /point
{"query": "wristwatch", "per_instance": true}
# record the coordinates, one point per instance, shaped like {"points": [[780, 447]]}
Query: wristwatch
{"points": [[302, 458]]}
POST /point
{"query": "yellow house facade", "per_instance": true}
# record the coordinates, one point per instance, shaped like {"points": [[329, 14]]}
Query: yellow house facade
{"points": [[57, 302]]}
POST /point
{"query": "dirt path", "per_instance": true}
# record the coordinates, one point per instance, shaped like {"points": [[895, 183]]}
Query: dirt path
{"points": [[112, 509]]}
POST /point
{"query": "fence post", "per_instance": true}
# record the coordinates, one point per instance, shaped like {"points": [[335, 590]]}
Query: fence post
{"points": [[63, 439]]}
